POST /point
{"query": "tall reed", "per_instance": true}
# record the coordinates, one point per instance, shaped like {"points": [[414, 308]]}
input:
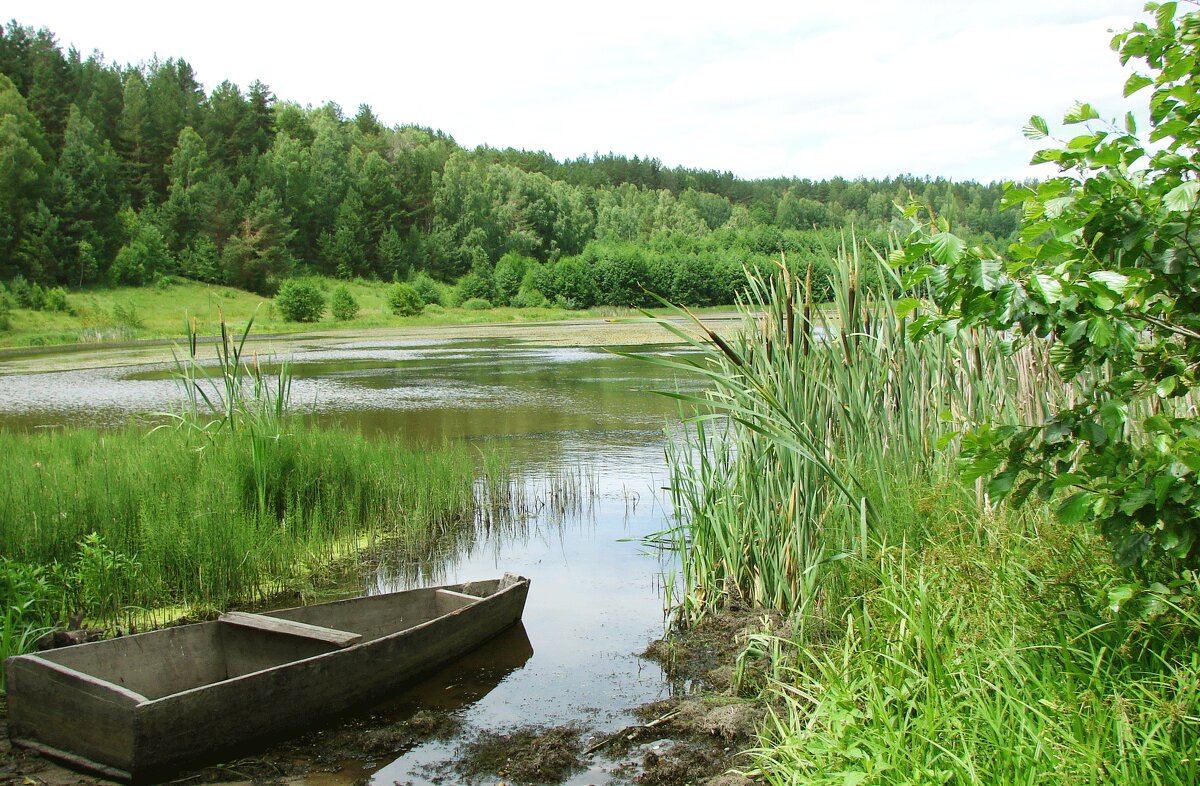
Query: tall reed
{"points": [[815, 419]]}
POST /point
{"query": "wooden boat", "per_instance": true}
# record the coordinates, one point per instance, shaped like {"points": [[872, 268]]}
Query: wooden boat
{"points": [[141, 706]]}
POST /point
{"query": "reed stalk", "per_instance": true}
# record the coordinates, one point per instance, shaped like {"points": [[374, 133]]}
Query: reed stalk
{"points": [[814, 421]]}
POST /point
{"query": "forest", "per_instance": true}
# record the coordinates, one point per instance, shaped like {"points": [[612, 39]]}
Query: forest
{"points": [[116, 175]]}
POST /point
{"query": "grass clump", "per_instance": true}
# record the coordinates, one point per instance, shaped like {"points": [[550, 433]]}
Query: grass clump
{"points": [[205, 521]]}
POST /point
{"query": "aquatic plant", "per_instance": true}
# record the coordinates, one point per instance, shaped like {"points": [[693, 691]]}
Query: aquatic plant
{"points": [[815, 420]]}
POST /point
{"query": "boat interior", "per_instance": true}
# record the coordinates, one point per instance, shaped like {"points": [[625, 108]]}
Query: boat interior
{"points": [[172, 660]]}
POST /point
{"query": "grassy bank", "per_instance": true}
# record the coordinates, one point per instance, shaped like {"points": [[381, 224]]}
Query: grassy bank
{"points": [[123, 314], [932, 637]]}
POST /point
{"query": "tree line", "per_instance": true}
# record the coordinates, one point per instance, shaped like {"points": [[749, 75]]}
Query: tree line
{"points": [[122, 174]]}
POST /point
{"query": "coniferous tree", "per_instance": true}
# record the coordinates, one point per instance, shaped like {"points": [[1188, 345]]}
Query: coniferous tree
{"points": [[85, 198], [258, 256]]}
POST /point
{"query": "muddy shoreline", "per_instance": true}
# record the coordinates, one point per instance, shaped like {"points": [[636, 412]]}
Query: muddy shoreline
{"points": [[693, 737]]}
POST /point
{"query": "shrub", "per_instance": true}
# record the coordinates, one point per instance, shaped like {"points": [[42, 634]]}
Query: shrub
{"points": [[427, 288], [476, 286], [575, 283], [509, 272], [529, 297], [55, 299], [434, 308], [342, 303], [127, 314], [37, 298], [477, 304], [19, 288], [404, 300], [300, 300], [144, 254]]}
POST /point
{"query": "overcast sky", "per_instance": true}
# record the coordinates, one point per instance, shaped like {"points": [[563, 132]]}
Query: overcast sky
{"points": [[807, 89]]}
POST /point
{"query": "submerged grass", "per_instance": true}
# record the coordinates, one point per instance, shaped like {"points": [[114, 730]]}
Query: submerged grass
{"points": [[935, 638]]}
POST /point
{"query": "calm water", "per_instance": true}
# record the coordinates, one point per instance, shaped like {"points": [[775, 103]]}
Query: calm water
{"points": [[581, 413]]}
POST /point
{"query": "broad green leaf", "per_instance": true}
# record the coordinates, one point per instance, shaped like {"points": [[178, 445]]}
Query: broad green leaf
{"points": [[1182, 197], [985, 273], [1134, 83], [1119, 595], [1164, 15], [1036, 128], [1134, 499], [1114, 413], [1053, 208], [1074, 508], [1050, 289], [905, 306], [1131, 548], [1165, 387], [1080, 113], [1114, 281], [1130, 123], [1084, 142], [1099, 331], [1002, 483], [946, 248], [1075, 332]]}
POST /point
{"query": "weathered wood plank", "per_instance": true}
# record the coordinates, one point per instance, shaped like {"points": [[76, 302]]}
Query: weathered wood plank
{"points": [[461, 595], [338, 638]]}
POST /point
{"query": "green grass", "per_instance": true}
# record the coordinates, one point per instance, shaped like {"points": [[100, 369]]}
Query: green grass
{"points": [[184, 519], [989, 655], [106, 315]]}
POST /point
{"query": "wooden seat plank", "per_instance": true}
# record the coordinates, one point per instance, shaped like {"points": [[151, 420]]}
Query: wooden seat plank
{"points": [[338, 638]]}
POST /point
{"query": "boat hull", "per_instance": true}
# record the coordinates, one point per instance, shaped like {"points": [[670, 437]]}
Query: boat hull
{"points": [[166, 703]]}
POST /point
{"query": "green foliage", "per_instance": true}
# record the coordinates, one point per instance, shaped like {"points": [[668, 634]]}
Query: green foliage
{"points": [[476, 285], [971, 660], [342, 303], [144, 253], [427, 288], [573, 286], [1105, 269], [177, 518], [33, 600], [201, 261], [55, 299], [529, 298], [300, 300], [104, 577], [126, 315], [509, 273], [477, 304], [404, 301]]}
